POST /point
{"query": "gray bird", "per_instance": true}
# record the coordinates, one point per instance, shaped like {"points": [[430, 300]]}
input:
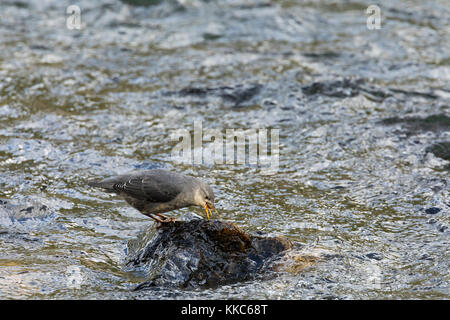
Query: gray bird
{"points": [[153, 192]]}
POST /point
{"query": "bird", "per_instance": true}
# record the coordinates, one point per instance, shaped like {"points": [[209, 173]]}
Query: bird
{"points": [[153, 192]]}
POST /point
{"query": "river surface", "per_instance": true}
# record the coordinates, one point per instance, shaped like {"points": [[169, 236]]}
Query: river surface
{"points": [[358, 111]]}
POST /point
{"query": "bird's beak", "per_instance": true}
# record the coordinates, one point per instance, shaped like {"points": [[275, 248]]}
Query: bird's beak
{"points": [[208, 206]]}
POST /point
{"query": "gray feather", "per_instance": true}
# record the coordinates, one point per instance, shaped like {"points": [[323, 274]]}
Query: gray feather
{"points": [[150, 185]]}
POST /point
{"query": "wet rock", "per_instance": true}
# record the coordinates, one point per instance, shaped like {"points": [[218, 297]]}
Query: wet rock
{"points": [[434, 123], [441, 150], [142, 2], [411, 93], [322, 55], [204, 253], [374, 256], [39, 47], [340, 88], [432, 210], [345, 88], [236, 96], [437, 123], [241, 94], [426, 256]]}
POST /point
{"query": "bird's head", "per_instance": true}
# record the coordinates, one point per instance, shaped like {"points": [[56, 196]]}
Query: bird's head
{"points": [[204, 197]]}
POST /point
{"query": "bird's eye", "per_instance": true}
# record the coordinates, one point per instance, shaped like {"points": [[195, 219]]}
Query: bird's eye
{"points": [[206, 197]]}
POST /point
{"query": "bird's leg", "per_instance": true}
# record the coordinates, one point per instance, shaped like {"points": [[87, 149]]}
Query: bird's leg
{"points": [[155, 218], [165, 219], [159, 221]]}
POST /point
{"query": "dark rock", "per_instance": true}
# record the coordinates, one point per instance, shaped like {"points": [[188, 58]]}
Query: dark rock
{"points": [[374, 256], [322, 55], [39, 47], [238, 96], [201, 92], [27, 210], [409, 93], [142, 2], [440, 149], [241, 94], [426, 256], [432, 210], [340, 88], [346, 88], [435, 123], [204, 253]]}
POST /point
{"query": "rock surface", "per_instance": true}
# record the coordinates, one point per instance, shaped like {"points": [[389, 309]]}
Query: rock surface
{"points": [[435, 123], [240, 95], [440, 149], [205, 253]]}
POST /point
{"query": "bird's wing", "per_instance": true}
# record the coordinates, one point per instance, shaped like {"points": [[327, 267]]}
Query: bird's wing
{"points": [[151, 187]]}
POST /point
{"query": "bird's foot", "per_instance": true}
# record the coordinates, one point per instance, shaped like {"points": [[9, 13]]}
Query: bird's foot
{"points": [[163, 220]]}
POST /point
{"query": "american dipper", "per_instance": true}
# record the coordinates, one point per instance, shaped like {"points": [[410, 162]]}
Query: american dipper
{"points": [[153, 192]]}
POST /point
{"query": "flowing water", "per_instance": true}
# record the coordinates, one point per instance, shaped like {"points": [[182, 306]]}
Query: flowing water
{"points": [[357, 111]]}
